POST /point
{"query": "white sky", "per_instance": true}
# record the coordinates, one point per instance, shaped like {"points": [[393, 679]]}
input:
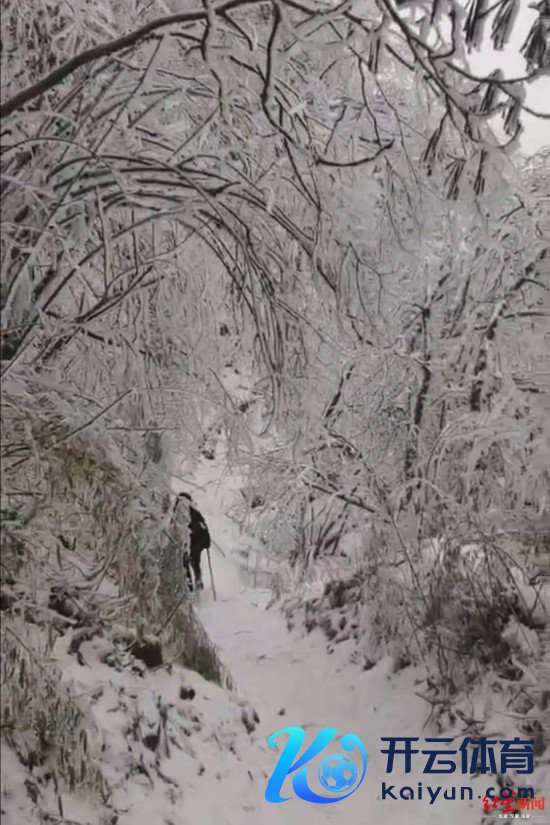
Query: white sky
{"points": [[536, 132]]}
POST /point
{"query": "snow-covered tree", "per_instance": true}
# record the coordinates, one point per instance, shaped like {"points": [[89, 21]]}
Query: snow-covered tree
{"points": [[320, 195]]}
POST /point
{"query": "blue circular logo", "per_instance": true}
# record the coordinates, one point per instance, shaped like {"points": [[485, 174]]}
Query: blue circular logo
{"points": [[337, 773]]}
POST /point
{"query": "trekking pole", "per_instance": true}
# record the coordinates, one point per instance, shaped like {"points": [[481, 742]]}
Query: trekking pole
{"points": [[211, 574], [217, 546]]}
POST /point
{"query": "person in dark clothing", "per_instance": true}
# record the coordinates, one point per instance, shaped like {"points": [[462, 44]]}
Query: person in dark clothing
{"points": [[199, 540]]}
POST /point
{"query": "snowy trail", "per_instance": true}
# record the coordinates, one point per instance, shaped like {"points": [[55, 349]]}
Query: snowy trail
{"points": [[274, 669]]}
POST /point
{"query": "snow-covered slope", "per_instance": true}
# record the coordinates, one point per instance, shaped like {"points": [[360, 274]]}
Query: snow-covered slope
{"points": [[178, 750], [296, 679]]}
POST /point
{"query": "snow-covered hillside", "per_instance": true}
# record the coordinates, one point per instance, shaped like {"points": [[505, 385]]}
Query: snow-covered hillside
{"points": [[175, 749], [295, 678]]}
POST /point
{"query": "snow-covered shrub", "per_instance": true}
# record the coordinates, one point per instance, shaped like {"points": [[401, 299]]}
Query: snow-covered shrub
{"points": [[83, 546], [421, 424], [52, 734]]}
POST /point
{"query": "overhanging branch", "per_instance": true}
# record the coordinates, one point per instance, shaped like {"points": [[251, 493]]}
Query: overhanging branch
{"points": [[59, 74]]}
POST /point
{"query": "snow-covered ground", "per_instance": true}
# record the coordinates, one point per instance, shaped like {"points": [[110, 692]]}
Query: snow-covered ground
{"points": [[208, 762], [291, 679]]}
